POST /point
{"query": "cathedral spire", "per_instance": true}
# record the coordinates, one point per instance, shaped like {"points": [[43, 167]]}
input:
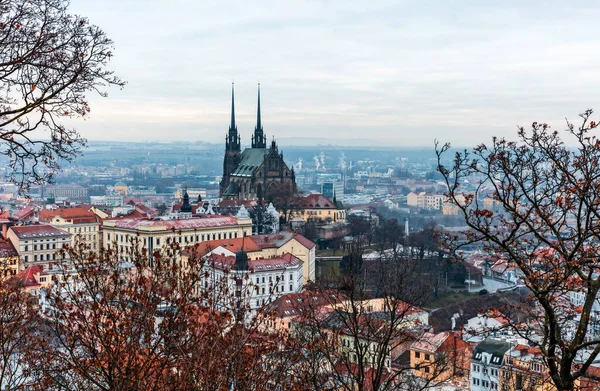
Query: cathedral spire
{"points": [[232, 126], [232, 141], [259, 140]]}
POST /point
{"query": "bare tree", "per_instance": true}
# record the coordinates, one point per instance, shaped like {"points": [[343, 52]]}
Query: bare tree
{"points": [[49, 60], [18, 337], [548, 195]]}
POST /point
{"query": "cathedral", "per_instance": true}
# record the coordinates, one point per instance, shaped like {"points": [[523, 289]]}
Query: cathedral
{"points": [[258, 172]]}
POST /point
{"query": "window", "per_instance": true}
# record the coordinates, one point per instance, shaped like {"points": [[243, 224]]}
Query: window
{"points": [[26, 248], [426, 356], [417, 355], [426, 369], [35, 247], [26, 258], [291, 287], [42, 279]]}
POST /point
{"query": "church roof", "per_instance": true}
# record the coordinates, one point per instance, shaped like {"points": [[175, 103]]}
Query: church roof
{"points": [[251, 159]]}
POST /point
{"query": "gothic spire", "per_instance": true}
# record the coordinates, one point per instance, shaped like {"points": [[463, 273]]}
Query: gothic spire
{"points": [[232, 140], [258, 139], [232, 126]]}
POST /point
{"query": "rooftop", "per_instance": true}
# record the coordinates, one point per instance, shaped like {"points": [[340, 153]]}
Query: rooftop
{"points": [[37, 231], [206, 221]]}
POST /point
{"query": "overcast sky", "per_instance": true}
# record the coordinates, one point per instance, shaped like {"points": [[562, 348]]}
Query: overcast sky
{"points": [[395, 73]]}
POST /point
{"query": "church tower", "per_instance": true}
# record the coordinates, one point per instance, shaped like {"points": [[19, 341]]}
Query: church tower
{"points": [[259, 140], [232, 147]]}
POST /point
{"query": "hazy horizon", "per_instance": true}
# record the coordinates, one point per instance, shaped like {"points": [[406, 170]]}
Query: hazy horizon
{"points": [[395, 73]]}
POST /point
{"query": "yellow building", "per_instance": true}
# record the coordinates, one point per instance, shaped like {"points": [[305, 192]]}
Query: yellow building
{"points": [[9, 259], [82, 223], [524, 369], [153, 234], [319, 207], [122, 189], [440, 356]]}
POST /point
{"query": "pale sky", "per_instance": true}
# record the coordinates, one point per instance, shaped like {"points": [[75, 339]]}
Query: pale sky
{"points": [[394, 72]]}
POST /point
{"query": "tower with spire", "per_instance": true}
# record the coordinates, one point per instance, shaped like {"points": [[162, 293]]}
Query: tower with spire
{"points": [[255, 173], [232, 147], [259, 140]]}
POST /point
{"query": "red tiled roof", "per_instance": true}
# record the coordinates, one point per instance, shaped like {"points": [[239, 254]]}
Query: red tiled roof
{"points": [[76, 215], [273, 240], [233, 245], [27, 276], [23, 213], [37, 231], [223, 262], [303, 241], [293, 304], [149, 212], [317, 201]]}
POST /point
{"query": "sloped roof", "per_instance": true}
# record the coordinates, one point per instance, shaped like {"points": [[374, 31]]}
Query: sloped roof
{"points": [[279, 239], [494, 347], [234, 245], [76, 215], [206, 221], [223, 262], [250, 161], [430, 342], [317, 201], [23, 213], [27, 277], [37, 231], [293, 304]]}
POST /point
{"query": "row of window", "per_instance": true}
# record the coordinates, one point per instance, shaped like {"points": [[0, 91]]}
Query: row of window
{"points": [[41, 257], [485, 383], [181, 239], [41, 247], [418, 355]]}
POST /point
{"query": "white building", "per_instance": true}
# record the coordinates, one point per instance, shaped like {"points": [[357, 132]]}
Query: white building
{"points": [[260, 281], [37, 244], [487, 360], [423, 200]]}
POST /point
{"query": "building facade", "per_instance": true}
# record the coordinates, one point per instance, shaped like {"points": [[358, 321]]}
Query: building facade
{"points": [[82, 223], [256, 173], [153, 234], [37, 244]]}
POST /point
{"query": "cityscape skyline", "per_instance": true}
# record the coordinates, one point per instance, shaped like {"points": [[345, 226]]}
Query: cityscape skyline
{"points": [[403, 74]]}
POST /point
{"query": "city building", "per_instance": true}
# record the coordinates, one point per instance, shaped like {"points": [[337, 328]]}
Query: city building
{"points": [[155, 233], [320, 208], [524, 369], [486, 363], [263, 246], [263, 279], [333, 190], [107, 200], [37, 244], [440, 356], [423, 200], [82, 223], [9, 259], [66, 191], [257, 172]]}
